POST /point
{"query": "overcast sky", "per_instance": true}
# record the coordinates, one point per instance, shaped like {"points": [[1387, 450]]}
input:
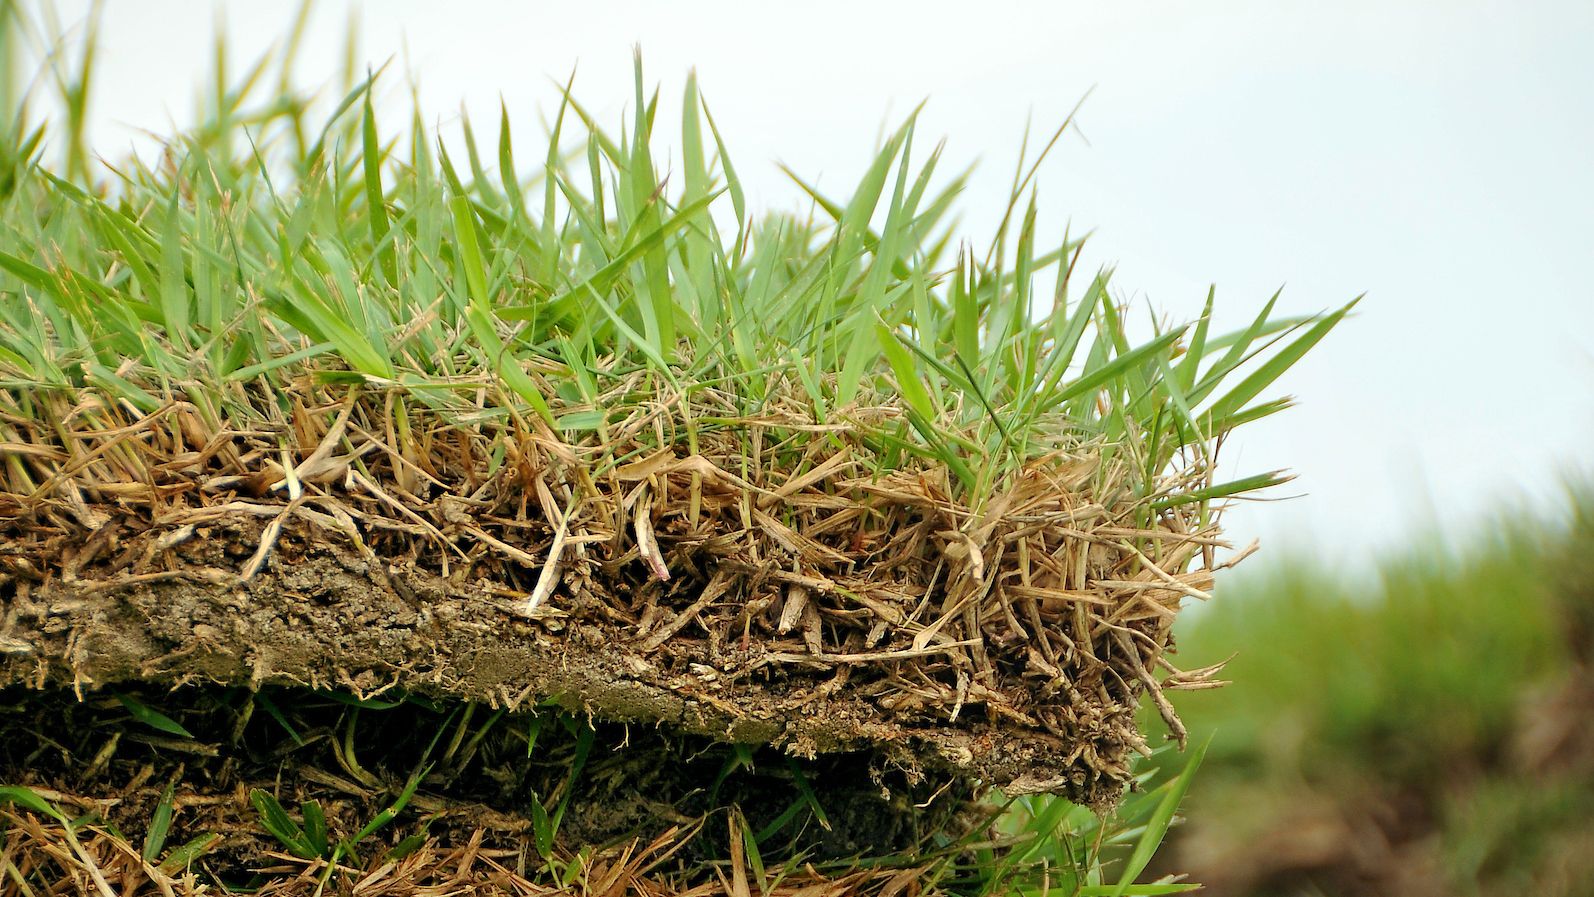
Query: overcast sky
{"points": [[1434, 155]]}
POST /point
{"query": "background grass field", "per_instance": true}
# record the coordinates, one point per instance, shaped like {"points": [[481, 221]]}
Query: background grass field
{"points": [[1427, 730]]}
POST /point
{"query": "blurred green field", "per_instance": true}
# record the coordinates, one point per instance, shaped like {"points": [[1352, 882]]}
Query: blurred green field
{"points": [[1428, 730]]}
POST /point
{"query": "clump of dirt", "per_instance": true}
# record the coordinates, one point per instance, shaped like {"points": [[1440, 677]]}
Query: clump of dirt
{"points": [[519, 784]]}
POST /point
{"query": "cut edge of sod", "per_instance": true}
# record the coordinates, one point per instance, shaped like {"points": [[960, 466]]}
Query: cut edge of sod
{"points": [[828, 482]]}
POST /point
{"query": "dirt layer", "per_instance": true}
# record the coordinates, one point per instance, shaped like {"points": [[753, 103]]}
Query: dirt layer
{"points": [[320, 615]]}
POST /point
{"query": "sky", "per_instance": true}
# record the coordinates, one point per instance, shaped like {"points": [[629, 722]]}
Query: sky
{"points": [[1434, 155]]}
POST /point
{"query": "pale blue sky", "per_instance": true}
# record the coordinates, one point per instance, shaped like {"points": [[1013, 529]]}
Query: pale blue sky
{"points": [[1435, 155]]}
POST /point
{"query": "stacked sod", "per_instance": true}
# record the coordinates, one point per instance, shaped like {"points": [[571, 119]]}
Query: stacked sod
{"points": [[308, 403]]}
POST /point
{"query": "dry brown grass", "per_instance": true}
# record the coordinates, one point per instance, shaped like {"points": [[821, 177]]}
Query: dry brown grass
{"points": [[46, 857]]}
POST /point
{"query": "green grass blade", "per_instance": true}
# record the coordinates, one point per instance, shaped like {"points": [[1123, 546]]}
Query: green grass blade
{"points": [[276, 821], [375, 201], [153, 718], [160, 824], [28, 799], [1270, 370], [1159, 822]]}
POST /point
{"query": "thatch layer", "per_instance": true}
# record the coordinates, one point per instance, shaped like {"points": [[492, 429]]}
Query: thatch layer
{"points": [[814, 604]]}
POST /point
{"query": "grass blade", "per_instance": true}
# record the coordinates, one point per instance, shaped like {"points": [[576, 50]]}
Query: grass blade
{"points": [[153, 718], [1159, 822]]}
